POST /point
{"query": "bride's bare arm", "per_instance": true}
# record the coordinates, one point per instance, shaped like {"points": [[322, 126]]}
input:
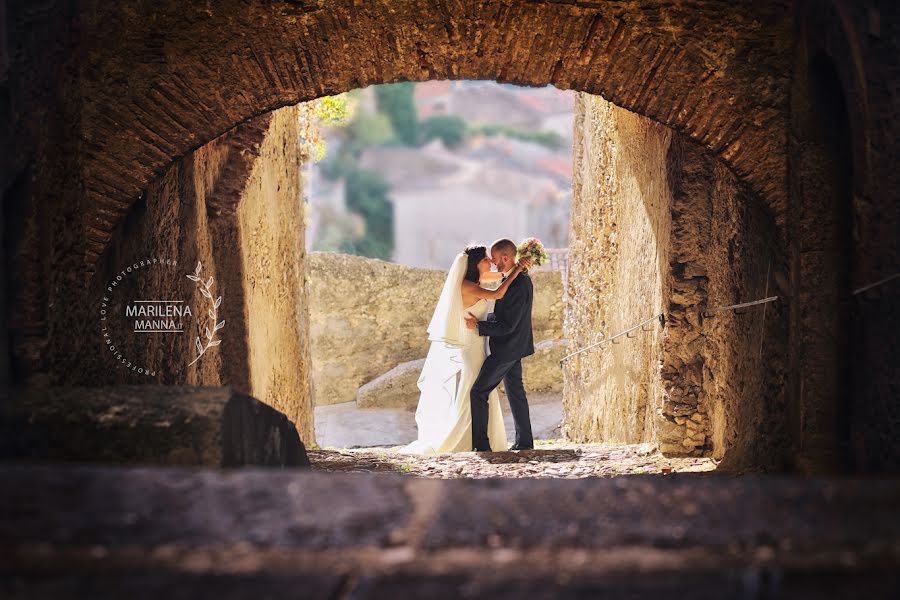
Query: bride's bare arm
{"points": [[491, 276], [473, 290]]}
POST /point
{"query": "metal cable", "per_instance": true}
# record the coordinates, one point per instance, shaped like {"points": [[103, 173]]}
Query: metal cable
{"points": [[741, 305], [876, 284], [660, 317], [710, 311]]}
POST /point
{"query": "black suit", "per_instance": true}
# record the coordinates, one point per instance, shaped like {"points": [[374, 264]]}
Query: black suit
{"points": [[509, 328]]}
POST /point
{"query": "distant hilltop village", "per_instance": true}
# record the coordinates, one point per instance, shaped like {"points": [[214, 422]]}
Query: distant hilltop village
{"points": [[490, 186]]}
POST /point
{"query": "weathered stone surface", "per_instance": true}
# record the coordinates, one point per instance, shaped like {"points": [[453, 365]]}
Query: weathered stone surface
{"points": [[541, 372], [155, 425], [233, 205], [714, 245], [180, 532], [621, 224], [395, 389], [665, 512], [117, 507], [712, 365], [549, 460], [271, 229], [368, 316]]}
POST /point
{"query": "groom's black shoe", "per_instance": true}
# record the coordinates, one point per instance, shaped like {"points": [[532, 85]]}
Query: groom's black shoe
{"points": [[515, 447]]}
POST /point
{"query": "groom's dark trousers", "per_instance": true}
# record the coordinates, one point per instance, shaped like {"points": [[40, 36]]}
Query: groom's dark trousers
{"points": [[511, 339]]}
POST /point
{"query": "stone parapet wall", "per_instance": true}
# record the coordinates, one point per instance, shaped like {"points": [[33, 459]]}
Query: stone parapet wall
{"points": [[262, 533], [368, 316]]}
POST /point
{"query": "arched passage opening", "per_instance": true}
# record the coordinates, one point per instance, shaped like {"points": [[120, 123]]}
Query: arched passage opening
{"points": [[410, 176], [718, 75], [112, 133], [700, 86], [236, 202]]}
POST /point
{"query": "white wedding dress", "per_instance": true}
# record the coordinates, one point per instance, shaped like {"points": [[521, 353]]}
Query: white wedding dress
{"points": [[444, 414]]}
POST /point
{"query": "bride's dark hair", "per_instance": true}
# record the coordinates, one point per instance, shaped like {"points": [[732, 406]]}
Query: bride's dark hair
{"points": [[474, 254]]}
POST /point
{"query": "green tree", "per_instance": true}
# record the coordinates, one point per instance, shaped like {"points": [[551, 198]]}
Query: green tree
{"points": [[397, 101], [366, 194], [448, 128], [364, 130]]}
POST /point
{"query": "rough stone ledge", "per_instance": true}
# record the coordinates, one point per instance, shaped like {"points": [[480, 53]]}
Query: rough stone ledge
{"points": [[120, 506], [149, 424], [631, 572], [72, 530]]}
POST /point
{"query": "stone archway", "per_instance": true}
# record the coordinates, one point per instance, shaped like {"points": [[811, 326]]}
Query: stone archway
{"points": [[132, 90], [162, 79]]}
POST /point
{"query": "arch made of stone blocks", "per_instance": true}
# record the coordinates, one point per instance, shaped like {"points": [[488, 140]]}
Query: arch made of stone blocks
{"points": [[163, 78]]}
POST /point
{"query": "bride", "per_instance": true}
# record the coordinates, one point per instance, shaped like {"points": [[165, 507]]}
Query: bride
{"points": [[444, 415]]}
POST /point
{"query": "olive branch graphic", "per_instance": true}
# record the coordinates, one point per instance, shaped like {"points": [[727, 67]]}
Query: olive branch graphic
{"points": [[205, 289]]}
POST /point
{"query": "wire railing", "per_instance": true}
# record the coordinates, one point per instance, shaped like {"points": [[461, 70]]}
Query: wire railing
{"points": [[707, 313], [710, 312], [876, 284], [661, 318], [612, 339]]}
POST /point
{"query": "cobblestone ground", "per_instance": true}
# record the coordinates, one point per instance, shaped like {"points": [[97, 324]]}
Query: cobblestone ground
{"points": [[554, 459]]}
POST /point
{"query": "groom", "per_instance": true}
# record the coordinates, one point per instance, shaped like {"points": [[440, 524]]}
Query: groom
{"points": [[509, 329]]}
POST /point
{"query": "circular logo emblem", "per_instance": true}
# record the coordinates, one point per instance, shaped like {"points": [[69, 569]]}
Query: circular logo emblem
{"points": [[151, 307]]}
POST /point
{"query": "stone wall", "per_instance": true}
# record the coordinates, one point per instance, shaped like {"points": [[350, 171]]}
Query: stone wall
{"points": [[618, 264], [368, 316], [270, 219], [844, 140], [234, 205], [723, 374], [661, 226]]}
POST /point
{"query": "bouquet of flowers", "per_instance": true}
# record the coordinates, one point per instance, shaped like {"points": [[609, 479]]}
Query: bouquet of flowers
{"points": [[533, 249]]}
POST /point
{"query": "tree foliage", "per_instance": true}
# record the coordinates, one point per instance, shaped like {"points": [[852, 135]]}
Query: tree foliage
{"points": [[450, 129], [366, 194], [397, 102], [548, 139]]}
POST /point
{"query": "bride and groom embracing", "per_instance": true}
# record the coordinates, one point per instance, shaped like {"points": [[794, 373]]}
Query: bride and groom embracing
{"points": [[459, 406]]}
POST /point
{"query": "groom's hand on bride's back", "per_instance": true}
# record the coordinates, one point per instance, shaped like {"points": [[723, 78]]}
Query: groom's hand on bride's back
{"points": [[471, 321]]}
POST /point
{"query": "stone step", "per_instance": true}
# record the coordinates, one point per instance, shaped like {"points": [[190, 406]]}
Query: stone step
{"points": [[148, 424], [398, 387], [101, 532], [395, 389]]}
